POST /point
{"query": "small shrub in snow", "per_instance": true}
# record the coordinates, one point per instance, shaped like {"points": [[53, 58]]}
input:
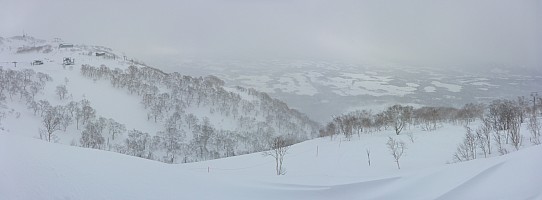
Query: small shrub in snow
{"points": [[397, 149], [467, 149], [411, 137], [368, 156]]}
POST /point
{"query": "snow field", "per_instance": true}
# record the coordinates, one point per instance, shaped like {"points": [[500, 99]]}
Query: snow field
{"points": [[35, 169]]}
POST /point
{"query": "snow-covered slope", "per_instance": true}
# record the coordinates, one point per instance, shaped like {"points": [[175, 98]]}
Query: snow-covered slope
{"points": [[35, 169], [166, 116], [126, 92]]}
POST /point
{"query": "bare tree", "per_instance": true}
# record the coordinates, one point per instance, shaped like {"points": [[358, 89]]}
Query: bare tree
{"points": [[498, 138], [505, 116], [66, 119], [481, 142], [78, 115], [44, 106], [483, 136], [172, 140], [156, 111], [87, 111], [279, 148], [345, 124], [2, 106], [534, 127], [329, 130], [91, 136], [115, 128], [51, 121], [35, 88], [397, 148], [138, 144], [31, 105], [427, 117], [515, 137], [191, 121], [202, 135], [61, 91], [398, 116], [469, 112], [467, 149]]}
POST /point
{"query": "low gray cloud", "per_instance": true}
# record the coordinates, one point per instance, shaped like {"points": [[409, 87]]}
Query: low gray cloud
{"points": [[417, 33]]}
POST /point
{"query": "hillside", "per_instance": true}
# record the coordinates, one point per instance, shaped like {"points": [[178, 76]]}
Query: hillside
{"points": [[34, 169], [108, 101]]}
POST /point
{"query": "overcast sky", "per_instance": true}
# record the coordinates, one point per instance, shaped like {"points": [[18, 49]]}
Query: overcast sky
{"points": [[414, 32]]}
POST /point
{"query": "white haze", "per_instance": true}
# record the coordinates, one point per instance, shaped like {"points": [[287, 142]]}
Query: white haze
{"points": [[417, 33]]}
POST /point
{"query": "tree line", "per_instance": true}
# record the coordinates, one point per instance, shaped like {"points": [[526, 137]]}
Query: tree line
{"points": [[399, 117], [498, 128]]}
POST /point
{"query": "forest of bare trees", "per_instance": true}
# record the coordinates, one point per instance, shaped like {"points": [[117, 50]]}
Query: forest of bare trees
{"points": [[186, 137], [257, 118], [500, 127], [398, 117]]}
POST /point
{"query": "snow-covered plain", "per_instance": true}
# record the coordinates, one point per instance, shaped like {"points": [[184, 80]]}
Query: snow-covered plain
{"points": [[35, 169]]}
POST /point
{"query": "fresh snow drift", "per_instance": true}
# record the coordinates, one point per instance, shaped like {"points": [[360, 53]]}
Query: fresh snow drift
{"points": [[34, 169]]}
